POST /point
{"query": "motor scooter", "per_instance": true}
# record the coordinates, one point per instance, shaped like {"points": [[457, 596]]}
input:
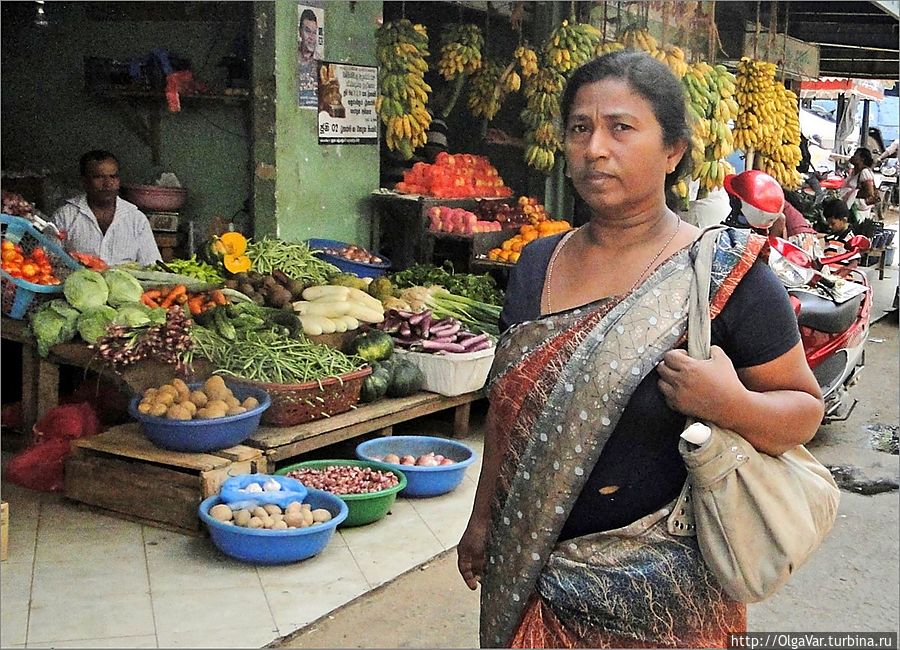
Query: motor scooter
{"points": [[833, 314]]}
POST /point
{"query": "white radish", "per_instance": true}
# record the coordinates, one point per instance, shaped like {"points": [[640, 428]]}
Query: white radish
{"points": [[358, 295], [364, 313], [349, 321], [330, 291], [327, 309]]}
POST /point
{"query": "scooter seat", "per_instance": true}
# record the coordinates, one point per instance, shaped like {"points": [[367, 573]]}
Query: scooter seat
{"points": [[825, 315]]}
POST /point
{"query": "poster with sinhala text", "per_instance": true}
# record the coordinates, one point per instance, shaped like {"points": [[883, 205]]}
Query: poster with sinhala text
{"points": [[347, 104]]}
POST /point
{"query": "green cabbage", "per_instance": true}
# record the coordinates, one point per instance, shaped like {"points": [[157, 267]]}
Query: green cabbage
{"points": [[92, 323], [132, 314], [123, 287], [85, 289], [54, 322]]}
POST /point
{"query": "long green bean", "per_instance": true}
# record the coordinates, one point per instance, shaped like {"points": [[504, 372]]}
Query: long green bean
{"points": [[269, 357], [293, 258]]}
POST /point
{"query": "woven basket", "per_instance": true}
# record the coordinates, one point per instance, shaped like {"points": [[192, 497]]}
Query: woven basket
{"points": [[294, 404]]}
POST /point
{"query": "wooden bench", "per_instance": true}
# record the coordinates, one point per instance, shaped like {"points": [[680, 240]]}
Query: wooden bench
{"points": [[280, 443], [122, 471]]}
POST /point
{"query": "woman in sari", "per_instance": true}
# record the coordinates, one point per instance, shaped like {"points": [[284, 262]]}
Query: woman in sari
{"points": [[571, 535]]}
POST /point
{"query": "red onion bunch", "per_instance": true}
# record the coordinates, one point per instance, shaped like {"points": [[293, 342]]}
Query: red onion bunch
{"points": [[169, 342]]}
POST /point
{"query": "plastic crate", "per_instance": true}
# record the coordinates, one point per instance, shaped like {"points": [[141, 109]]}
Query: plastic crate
{"points": [[20, 297]]}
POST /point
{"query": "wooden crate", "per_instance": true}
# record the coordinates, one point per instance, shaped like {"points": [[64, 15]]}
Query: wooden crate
{"points": [[4, 531], [121, 471]]}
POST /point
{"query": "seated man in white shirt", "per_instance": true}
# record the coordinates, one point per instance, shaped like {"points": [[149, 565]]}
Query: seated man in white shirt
{"points": [[101, 223]]}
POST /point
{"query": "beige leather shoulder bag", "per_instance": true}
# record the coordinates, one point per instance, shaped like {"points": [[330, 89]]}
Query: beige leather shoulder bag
{"points": [[757, 517]]}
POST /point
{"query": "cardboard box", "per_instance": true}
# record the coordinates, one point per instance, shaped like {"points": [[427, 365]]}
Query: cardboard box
{"points": [[452, 374]]}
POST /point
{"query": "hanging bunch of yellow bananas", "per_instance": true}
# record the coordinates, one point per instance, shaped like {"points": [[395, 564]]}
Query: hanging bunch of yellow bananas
{"points": [[609, 46], [460, 51], [710, 104], [755, 93], [641, 39], [768, 121], [490, 86], [527, 59], [401, 48], [543, 92], [781, 157], [570, 45]]}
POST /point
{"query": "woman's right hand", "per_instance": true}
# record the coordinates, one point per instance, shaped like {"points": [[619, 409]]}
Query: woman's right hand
{"points": [[471, 550]]}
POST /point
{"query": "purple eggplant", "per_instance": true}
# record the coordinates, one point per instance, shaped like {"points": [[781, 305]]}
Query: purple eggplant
{"points": [[483, 345], [471, 342], [417, 318], [440, 346], [444, 330]]}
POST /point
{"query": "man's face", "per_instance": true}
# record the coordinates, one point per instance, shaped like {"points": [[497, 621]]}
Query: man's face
{"points": [[101, 182], [309, 36], [836, 224]]}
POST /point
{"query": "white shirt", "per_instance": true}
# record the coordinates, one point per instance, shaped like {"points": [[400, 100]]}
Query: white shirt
{"points": [[128, 238], [851, 189]]}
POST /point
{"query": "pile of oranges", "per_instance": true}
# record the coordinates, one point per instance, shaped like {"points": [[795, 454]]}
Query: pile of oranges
{"points": [[510, 249], [34, 267]]}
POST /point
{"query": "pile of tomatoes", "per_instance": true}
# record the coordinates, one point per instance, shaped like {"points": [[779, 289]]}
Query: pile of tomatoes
{"points": [[34, 267]]}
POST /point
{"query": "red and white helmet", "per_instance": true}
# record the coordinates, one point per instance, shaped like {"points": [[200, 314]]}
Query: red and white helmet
{"points": [[762, 198]]}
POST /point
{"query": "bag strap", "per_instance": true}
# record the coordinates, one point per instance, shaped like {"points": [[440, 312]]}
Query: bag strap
{"points": [[698, 303], [681, 521]]}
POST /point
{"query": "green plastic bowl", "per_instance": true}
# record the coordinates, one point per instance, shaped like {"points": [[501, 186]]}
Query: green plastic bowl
{"points": [[362, 508]]}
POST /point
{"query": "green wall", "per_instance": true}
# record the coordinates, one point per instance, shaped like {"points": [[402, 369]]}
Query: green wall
{"points": [[321, 191], [48, 120]]}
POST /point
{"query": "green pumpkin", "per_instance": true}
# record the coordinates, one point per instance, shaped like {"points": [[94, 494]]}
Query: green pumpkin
{"points": [[375, 386], [406, 379], [372, 345]]}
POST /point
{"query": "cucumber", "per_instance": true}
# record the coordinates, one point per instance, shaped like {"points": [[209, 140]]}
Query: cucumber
{"points": [[224, 326]]}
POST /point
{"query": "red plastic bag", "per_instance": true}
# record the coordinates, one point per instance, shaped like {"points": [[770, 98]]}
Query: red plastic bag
{"points": [[40, 467]]}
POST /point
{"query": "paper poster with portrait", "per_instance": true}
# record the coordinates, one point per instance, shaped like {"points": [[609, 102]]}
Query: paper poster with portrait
{"points": [[347, 103], [310, 50]]}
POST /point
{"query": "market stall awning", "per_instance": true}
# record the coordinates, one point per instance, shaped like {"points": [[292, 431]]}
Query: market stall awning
{"points": [[831, 87]]}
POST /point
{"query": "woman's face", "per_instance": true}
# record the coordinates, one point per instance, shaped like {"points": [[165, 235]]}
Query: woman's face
{"points": [[614, 148]]}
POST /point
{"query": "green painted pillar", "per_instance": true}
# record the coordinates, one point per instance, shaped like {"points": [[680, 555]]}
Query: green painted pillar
{"points": [[262, 119]]}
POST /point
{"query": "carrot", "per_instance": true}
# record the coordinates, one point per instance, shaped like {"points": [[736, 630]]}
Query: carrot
{"points": [[195, 304], [147, 300], [218, 297], [169, 300], [153, 294]]}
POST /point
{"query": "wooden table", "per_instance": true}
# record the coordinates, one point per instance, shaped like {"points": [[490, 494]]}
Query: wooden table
{"points": [[40, 376], [280, 443]]}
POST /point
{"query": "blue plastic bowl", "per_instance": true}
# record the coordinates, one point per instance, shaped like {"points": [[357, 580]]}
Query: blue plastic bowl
{"points": [[203, 435], [422, 481], [261, 546], [360, 269]]}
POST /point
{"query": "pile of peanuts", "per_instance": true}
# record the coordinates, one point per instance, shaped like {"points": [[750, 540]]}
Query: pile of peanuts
{"points": [[345, 479]]}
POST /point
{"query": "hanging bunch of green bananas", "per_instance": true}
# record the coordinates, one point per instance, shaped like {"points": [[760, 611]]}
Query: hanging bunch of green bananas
{"points": [[543, 92], [782, 155], [490, 86], [570, 45], [710, 104], [401, 48], [460, 50], [527, 59]]}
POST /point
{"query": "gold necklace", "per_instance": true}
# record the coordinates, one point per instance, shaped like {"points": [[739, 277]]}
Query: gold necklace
{"points": [[565, 239]]}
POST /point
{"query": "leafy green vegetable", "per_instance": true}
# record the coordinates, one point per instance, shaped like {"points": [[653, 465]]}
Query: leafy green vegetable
{"points": [[132, 314], [85, 289], [123, 287], [92, 323], [54, 322], [480, 287]]}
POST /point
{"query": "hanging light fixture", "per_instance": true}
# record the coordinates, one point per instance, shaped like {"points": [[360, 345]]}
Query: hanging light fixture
{"points": [[40, 17]]}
